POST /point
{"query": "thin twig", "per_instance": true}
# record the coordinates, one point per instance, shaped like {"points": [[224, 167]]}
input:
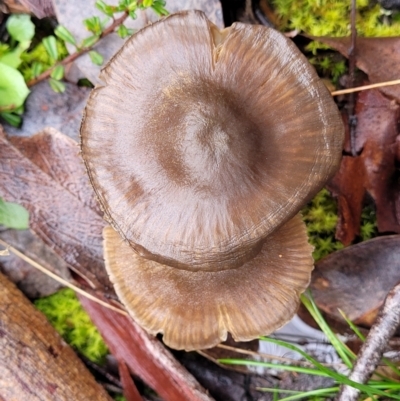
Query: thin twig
{"points": [[371, 352], [365, 87], [350, 106], [38, 266], [72, 57]]}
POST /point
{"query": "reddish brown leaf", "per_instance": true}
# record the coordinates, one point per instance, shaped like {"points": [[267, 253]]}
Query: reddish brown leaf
{"points": [[373, 171], [347, 186], [60, 219], [357, 279], [131, 393], [128, 342], [58, 156], [35, 363], [379, 58]]}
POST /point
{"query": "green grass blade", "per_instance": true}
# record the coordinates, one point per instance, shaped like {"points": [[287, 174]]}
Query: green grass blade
{"points": [[343, 351], [289, 368]]}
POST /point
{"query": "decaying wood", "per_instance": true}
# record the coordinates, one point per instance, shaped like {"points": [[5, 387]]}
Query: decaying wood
{"points": [[35, 363]]}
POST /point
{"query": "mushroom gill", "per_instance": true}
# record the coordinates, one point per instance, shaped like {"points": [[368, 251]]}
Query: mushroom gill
{"points": [[202, 146]]}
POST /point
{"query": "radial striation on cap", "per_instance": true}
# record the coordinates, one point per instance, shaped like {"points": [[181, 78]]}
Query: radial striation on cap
{"points": [[196, 310], [201, 143]]}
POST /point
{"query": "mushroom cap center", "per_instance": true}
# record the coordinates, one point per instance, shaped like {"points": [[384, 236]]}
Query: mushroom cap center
{"points": [[211, 146]]}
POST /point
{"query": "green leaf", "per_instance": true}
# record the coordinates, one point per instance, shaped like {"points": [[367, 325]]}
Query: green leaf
{"points": [[90, 41], [104, 8], [147, 3], [158, 7], [122, 31], [93, 24], [12, 58], [37, 68], [13, 89], [50, 44], [13, 215], [132, 14], [132, 6], [96, 57], [65, 35], [58, 72], [11, 118], [20, 27], [57, 86]]}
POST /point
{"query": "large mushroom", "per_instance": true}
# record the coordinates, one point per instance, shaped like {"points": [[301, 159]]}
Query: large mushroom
{"points": [[202, 146]]}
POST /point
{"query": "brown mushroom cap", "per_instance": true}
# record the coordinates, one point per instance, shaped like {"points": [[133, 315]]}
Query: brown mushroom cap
{"points": [[196, 310], [201, 143]]}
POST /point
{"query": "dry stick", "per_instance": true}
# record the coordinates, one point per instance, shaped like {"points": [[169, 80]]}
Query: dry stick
{"points": [[371, 352], [38, 266], [365, 87], [72, 57], [350, 106]]}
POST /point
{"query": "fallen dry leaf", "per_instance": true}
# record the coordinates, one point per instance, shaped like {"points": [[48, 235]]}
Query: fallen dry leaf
{"points": [[58, 156], [35, 363], [59, 218], [379, 58], [357, 279], [131, 393], [144, 355], [74, 230], [374, 171], [40, 8]]}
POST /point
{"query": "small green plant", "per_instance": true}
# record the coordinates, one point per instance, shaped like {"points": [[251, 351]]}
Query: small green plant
{"points": [[22, 66], [67, 316], [13, 90], [385, 387]]}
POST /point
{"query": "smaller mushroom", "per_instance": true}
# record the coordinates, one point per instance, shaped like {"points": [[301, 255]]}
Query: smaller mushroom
{"points": [[214, 142]]}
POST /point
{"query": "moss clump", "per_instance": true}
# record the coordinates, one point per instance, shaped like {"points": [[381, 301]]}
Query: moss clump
{"points": [[368, 227], [119, 398], [332, 18], [320, 216], [67, 316]]}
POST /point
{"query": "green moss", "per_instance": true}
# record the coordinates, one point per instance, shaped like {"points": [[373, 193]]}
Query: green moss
{"points": [[67, 316], [320, 216], [368, 227], [332, 18], [119, 398], [331, 65]]}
